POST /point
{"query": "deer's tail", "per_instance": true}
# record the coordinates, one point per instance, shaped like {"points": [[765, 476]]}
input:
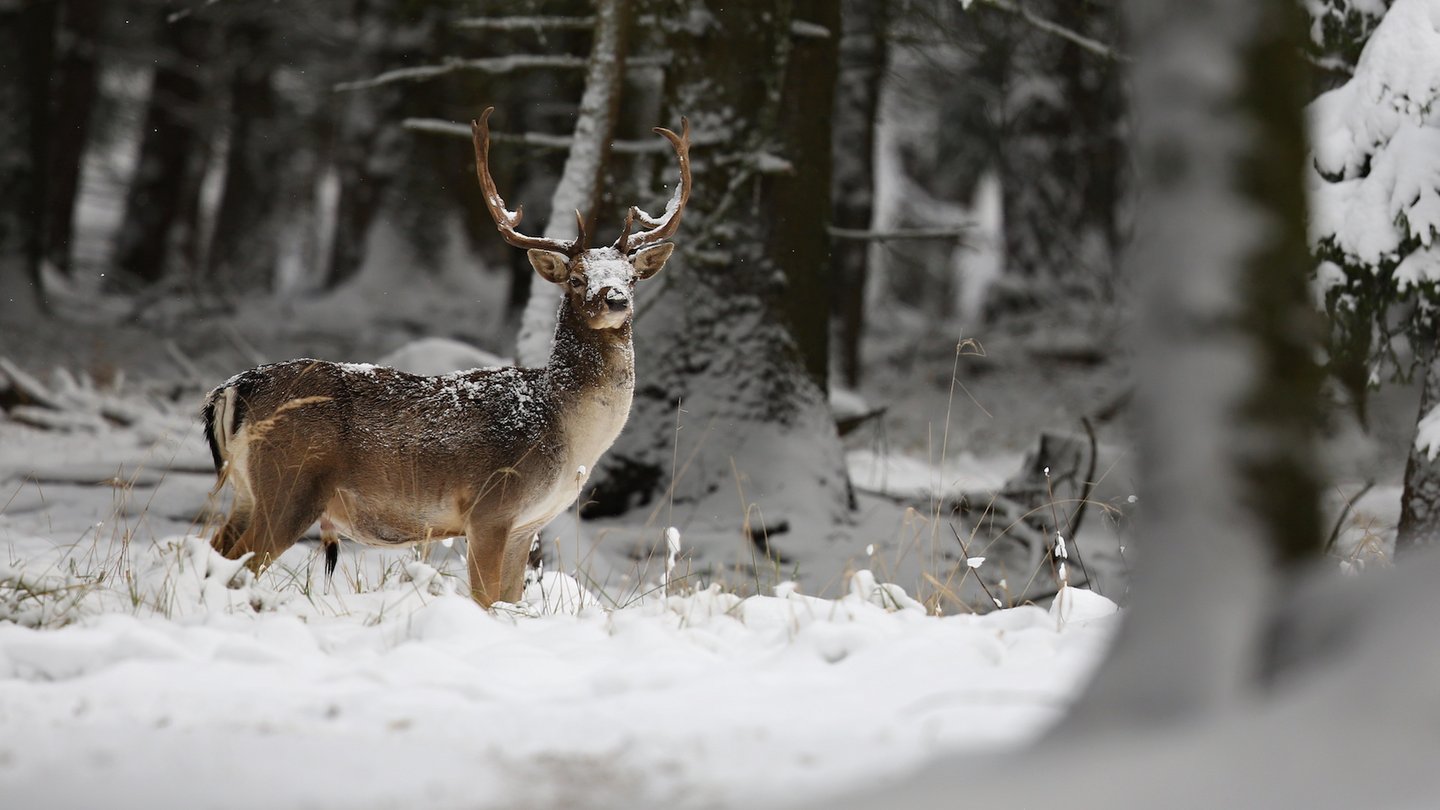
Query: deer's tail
{"points": [[222, 417]]}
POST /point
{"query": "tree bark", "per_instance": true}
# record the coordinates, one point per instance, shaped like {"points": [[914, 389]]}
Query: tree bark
{"points": [[166, 173], [1420, 503], [757, 468], [1063, 155], [580, 182], [857, 99], [248, 225], [1228, 386], [27, 41], [76, 91], [798, 242]]}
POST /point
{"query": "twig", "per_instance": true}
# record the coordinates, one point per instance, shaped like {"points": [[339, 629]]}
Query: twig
{"points": [[1345, 514], [246, 348], [653, 146], [1092, 45], [978, 578], [893, 236], [533, 23], [494, 64], [28, 386], [187, 366]]}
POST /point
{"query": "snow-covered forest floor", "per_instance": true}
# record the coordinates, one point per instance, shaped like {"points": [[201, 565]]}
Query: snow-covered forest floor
{"points": [[131, 651]]}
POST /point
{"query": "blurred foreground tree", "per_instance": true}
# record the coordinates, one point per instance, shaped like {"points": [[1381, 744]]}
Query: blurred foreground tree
{"points": [[1228, 386], [1232, 659]]}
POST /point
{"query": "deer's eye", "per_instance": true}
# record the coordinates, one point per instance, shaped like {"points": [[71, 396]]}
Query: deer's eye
{"points": [[576, 282]]}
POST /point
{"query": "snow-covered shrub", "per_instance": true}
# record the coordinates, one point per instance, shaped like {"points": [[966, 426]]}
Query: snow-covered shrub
{"points": [[1339, 29], [1374, 179]]}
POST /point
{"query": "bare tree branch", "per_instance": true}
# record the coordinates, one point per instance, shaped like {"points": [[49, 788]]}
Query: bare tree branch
{"points": [[495, 64], [958, 233], [1092, 45], [542, 140], [525, 23]]}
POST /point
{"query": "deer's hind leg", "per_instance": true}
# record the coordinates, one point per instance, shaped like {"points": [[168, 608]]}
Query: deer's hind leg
{"points": [[235, 525], [284, 500]]}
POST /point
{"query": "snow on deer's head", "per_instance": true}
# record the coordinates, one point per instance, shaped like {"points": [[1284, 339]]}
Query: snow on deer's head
{"points": [[598, 282]]}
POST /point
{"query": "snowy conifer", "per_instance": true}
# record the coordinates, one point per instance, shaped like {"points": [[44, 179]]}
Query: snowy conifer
{"points": [[1374, 180]]}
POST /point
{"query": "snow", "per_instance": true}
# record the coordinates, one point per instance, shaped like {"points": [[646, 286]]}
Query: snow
{"points": [[1427, 434], [1375, 174], [185, 683], [914, 478]]}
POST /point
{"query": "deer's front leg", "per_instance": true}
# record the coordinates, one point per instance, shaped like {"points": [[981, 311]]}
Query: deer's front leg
{"points": [[485, 555]]}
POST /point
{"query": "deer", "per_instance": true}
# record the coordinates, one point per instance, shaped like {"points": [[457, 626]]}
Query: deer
{"points": [[387, 458]]}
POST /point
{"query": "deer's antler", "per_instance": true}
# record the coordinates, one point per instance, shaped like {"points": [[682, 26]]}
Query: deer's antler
{"points": [[661, 227], [507, 220]]}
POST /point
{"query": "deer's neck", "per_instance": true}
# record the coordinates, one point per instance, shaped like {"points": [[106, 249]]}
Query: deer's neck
{"points": [[591, 364]]}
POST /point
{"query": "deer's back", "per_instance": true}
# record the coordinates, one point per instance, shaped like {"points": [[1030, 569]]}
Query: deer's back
{"points": [[409, 443]]}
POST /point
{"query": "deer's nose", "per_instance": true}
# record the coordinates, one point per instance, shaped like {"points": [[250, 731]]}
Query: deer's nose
{"points": [[617, 300]]}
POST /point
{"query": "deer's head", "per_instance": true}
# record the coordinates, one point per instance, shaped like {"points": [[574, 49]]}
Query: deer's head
{"points": [[599, 282]]}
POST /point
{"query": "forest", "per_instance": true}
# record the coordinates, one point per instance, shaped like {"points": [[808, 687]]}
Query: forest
{"points": [[983, 400]]}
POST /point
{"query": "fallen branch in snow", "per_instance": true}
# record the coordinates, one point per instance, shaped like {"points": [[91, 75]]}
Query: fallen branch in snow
{"points": [[72, 402]]}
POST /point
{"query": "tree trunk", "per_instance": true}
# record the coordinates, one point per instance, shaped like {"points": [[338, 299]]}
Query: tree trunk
{"points": [[245, 248], [757, 470], [857, 99], [166, 173], [1420, 503], [798, 241], [1063, 155], [580, 182], [76, 92], [27, 42], [1228, 382]]}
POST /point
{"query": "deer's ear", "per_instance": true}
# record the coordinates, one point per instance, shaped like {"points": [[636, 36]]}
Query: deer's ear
{"points": [[553, 267], [649, 260]]}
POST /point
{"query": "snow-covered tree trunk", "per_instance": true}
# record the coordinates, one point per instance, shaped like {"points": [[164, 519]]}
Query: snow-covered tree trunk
{"points": [[1228, 384], [76, 90], [756, 470], [857, 98], [579, 187], [26, 53], [1420, 502]]}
